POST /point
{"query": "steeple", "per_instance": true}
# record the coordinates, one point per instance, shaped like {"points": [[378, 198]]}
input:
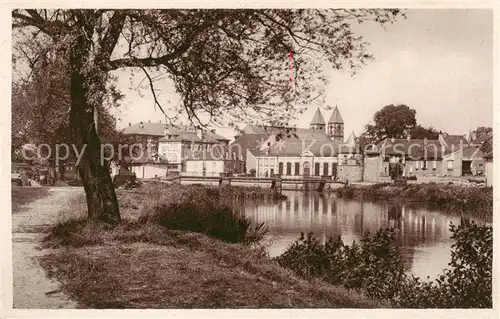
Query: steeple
{"points": [[318, 122], [336, 117], [351, 140], [336, 126]]}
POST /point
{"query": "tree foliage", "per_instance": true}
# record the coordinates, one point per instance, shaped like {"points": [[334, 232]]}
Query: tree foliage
{"points": [[421, 132], [483, 130], [41, 105], [394, 121], [224, 64]]}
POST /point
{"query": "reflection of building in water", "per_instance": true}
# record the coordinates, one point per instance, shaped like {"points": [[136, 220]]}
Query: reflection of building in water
{"points": [[422, 232], [304, 211], [417, 225]]}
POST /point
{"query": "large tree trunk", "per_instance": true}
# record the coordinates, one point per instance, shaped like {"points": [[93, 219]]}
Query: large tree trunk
{"points": [[102, 203]]}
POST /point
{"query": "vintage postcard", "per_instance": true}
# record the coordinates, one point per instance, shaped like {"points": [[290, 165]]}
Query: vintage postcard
{"points": [[263, 159]]}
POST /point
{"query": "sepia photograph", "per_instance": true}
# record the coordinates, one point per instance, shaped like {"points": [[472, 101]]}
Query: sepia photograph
{"points": [[251, 158]]}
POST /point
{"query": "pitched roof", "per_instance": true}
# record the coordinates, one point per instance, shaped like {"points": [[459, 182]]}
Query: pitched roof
{"points": [[483, 138], [455, 140], [415, 149], [262, 129], [472, 153], [158, 129], [145, 128], [336, 117], [318, 118], [295, 143], [351, 140], [246, 142], [191, 136]]}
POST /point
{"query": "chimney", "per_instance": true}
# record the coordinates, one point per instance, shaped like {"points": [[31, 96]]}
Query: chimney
{"points": [[474, 135], [160, 121], [200, 133], [149, 121], [141, 125], [129, 124]]}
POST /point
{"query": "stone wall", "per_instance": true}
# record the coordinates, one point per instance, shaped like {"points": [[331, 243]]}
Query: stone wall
{"points": [[351, 173]]}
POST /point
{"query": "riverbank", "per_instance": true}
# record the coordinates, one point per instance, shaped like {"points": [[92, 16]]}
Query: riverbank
{"points": [[475, 199], [141, 264]]}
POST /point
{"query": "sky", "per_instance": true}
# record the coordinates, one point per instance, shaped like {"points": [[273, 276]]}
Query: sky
{"points": [[438, 62]]}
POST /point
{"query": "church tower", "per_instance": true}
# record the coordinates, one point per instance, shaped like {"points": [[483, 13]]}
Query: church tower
{"points": [[318, 122], [336, 126]]}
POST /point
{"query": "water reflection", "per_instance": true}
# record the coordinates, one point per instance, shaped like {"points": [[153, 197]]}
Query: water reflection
{"points": [[422, 232]]}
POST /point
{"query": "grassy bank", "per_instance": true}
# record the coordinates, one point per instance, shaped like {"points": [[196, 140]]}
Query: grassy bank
{"points": [[441, 195], [21, 196], [143, 263]]}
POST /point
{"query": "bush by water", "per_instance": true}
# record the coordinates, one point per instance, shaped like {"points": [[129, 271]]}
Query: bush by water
{"points": [[374, 267]]}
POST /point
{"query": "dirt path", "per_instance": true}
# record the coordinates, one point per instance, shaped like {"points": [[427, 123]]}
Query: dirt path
{"points": [[32, 288]]}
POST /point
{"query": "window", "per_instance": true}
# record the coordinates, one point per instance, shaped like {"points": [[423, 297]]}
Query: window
{"points": [[417, 165], [297, 169], [288, 168], [316, 169], [280, 169], [434, 165], [325, 169], [424, 165]]}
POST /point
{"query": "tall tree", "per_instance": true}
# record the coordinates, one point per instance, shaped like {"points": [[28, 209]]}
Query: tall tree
{"points": [[483, 130], [394, 121], [231, 63], [420, 132], [40, 109]]}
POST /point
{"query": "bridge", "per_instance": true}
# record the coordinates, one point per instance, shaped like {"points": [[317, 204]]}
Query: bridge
{"points": [[277, 182]]}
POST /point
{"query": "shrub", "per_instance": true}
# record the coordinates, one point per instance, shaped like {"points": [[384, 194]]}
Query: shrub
{"points": [[374, 266], [204, 211]]}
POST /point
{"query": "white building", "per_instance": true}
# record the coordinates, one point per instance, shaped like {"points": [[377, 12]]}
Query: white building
{"points": [[168, 149], [296, 152]]}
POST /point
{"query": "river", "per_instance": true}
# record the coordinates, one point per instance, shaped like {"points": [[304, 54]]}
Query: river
{"points": [[424, 233]]}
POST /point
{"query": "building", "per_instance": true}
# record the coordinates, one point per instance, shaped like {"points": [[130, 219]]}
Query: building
{"points": [[166, 149], [298, 152], [483, 142], [413, 157], [449, 156], [178, 144], [336, 126]]}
